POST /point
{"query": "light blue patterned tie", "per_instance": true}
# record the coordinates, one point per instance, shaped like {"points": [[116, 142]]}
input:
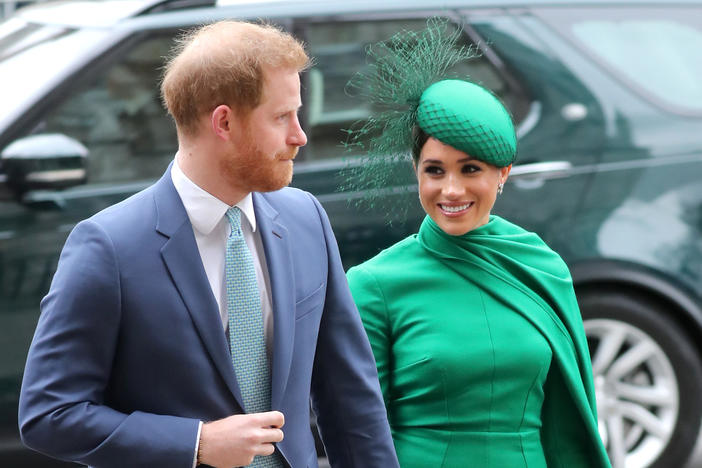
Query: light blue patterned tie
{"points": [[246, 338]]}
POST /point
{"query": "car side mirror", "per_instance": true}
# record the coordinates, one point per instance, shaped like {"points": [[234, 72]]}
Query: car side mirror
{"points": [[45, 161]]}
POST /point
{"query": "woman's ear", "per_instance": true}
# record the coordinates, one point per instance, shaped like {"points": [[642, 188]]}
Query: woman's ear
{"points": [[504, 173]]}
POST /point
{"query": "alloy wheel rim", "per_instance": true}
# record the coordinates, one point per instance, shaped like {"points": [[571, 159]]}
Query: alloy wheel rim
{"points": [[636, 390]]}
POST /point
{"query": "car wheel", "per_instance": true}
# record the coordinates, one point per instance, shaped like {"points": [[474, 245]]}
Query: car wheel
{"points": [[648, 379]]}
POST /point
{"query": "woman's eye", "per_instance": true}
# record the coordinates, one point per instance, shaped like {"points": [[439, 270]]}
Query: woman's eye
{"points": [[433, 170], [470, 168]]}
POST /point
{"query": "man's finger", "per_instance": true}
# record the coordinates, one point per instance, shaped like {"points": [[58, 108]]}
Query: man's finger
{"points": [[275, 435], [265, 449], [271, 419], [269, 435]]}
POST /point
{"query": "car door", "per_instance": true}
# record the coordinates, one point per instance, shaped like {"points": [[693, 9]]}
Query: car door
{"points": [[560, 138], [338, 46], [110, 106]]}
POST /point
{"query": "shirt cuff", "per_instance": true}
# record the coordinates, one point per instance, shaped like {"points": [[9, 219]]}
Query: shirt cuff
{"points": [[197, 444]]}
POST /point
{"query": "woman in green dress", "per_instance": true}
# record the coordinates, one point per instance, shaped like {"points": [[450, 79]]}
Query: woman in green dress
{"points": [[473, 321]]}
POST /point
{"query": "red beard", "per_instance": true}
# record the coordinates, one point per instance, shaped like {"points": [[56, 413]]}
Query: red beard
{"points": [[249, 168]]}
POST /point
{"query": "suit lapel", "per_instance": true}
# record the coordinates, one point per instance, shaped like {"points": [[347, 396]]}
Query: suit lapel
{"points": [[276, 244], [182, 258]]}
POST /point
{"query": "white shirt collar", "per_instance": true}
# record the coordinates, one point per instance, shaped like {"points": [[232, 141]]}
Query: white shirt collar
{"points": [[205, 210]]}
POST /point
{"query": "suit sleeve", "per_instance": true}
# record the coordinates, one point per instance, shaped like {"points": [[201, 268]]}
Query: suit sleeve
{"points": [[371, 306], [346, 395], [62, 409]]}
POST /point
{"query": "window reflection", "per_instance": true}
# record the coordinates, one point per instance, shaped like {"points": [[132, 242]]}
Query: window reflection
{"points": [[339, 51], [661, 56]]}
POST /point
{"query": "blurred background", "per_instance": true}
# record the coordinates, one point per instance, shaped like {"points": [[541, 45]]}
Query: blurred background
{"points": [[7, 7], [607, 101]]}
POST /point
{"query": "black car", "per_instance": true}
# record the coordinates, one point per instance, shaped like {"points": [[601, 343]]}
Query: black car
{"points": [[607, 98]]}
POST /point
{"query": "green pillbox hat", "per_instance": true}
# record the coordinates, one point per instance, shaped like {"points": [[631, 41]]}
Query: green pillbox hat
{"points": [[469, 118]]}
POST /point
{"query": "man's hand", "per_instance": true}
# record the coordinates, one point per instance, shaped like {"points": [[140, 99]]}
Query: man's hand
{"points": [[234, 441]]}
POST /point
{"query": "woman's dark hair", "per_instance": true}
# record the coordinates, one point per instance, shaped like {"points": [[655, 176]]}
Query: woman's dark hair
{"points": [[419, 138]]}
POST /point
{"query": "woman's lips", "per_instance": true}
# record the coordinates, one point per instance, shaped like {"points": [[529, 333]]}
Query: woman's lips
{"points": [[454, 209]]}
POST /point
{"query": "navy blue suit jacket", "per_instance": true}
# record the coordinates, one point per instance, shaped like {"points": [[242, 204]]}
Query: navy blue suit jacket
{"points": [[129, 353]]}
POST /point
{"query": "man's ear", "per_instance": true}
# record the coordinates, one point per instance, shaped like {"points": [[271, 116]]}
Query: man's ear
{"points": [[221, 120]]}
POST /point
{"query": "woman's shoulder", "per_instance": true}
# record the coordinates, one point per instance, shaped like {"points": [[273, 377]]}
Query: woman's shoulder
{"points": [[528, 246], [501, 226], [400, 251], [392, 259]]}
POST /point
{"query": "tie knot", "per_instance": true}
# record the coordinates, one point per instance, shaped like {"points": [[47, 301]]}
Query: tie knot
{"points": [[234, 217]]}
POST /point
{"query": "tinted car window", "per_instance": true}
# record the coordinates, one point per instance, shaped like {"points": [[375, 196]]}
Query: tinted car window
{"points": [[117, 114], [339, 51], [29, 65], [657, 52]]}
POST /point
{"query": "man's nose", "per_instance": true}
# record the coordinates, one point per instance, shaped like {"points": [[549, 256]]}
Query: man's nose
{"points": [[297, 135]]}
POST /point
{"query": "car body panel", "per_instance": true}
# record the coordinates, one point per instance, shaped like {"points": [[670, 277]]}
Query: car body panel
{"points": [[607, 175]]}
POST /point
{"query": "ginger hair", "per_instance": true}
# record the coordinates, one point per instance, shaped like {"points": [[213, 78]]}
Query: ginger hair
{"points": [[224, 63]]}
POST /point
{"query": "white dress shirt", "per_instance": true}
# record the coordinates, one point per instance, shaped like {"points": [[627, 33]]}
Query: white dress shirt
{"points": [[211, 227], [207, 215]]}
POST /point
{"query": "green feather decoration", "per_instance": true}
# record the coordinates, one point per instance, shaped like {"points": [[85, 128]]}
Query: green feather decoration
{"points": [[399, 70]]}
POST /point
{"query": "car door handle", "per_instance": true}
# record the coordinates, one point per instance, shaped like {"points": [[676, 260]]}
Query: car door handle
{"points": [[546, 170], [533, 175]]}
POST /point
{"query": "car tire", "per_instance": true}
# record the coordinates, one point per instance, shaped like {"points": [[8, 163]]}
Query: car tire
{"points": [[648, 379]]}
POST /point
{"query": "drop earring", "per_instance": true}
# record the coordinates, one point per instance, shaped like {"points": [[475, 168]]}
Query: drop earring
{"points": [[500, 186]]}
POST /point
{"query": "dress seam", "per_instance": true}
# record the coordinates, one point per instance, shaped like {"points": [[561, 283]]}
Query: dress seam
{"points": [[521, 444], [386, 315], [528, 396], [494, 365], [448, 418], [388, 329]]}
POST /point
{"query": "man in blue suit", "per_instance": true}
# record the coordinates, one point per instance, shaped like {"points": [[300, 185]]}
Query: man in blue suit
{"points": [[190, 324]]}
